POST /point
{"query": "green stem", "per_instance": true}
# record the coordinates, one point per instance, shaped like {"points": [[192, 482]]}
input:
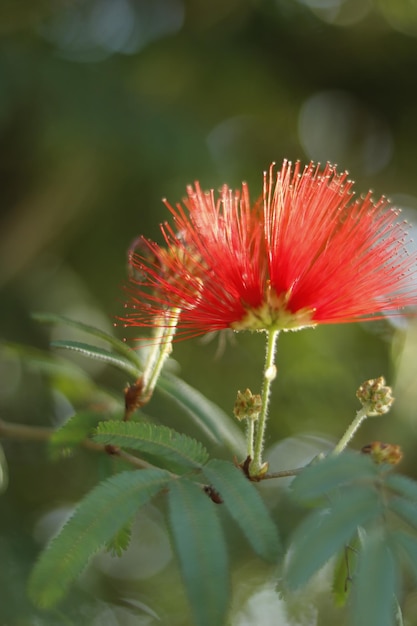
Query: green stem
{"points": [[268, 376], [250, 433], [361, 415], [23, 432], [160, 350]]}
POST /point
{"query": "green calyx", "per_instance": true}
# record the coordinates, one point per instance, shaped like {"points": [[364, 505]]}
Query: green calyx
{"points": [[273, 314]]}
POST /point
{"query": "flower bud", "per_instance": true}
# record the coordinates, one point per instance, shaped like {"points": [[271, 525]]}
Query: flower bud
{"points": [[383, 452], [375, 396], [188, 285], [134, 397], [247, 405]]}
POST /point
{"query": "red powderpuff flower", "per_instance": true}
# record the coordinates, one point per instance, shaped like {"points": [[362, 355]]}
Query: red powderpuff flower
{"points": [[306, 253]]}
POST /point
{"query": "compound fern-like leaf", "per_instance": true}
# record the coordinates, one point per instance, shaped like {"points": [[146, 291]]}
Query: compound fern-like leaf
{"points": [[202, 552], [119, 346], [375, 583], [98, 517], [245, 505], [323, 476], [158, 444], [327, 531], [99, 354]]}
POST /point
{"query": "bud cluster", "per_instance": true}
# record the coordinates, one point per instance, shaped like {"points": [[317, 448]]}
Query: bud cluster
{"points": [[383, 452], [375, 396], [247, 405], [188, 282]]}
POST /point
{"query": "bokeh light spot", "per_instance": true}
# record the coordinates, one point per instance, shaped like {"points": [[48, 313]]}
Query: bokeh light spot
{"points": [[339, 12], [335, 126], [400, 15], [96, 29]]}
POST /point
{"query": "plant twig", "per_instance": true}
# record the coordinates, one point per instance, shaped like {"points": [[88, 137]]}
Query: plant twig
{"points": [[23, 432], [283, 473]]}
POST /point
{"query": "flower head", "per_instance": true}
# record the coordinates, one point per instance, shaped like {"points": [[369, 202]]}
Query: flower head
{"points": [[375, 396], [306, 253], [383, 452]]}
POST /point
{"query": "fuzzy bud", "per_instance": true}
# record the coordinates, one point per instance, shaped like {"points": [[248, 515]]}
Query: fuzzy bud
{"points": [[247, 405], [375, 396], [383, 452]]}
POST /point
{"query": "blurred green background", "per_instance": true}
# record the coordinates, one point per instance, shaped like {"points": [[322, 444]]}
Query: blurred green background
{"points": [[106, 106]]}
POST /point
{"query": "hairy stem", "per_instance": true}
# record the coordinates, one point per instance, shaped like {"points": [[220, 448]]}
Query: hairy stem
{"points": [[250, 434], [269, 374], [361, 415]]}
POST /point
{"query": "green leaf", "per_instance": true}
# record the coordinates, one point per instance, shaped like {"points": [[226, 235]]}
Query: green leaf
{"points": [[159, 444], [99, 354], [119, 346], [121, 540], [322, 477], [406, 545], [202, 553], [376, 583], [98, 517], [210, 418], [77, 428], [402, 485], [405, 509], [245, 505], [343, 572], [214, 422], [44, 362], [326, 531]]}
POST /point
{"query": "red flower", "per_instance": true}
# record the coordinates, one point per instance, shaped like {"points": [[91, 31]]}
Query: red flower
{"points": [[305, 253]]}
